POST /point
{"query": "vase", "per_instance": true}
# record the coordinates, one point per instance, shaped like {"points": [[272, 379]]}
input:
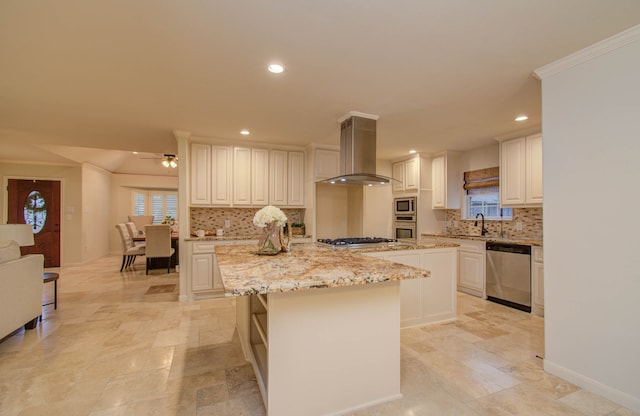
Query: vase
{"points": [[270, 243]]}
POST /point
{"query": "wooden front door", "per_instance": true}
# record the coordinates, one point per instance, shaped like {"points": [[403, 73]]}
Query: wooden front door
{"points": [[37, 202]]}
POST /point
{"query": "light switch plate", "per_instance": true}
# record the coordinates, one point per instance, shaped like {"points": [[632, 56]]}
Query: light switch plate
{"points": [[227, 223], [519, 226]]}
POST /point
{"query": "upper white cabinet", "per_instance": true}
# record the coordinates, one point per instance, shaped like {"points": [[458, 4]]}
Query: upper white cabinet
{"points": [[278, 177], [326, 164], [241, 176], [407, 173], [521, 171], [222, 163], [259, 177], [245, 176], [295, 179], [210, 175], [286, 178], [445, 182]]}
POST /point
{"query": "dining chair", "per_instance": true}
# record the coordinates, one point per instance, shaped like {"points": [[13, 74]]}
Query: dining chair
{"points": [[158, 239], [129, 250], [141, 220], [134, 232]]}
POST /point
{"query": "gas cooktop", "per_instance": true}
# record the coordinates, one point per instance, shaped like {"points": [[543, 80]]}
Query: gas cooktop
{"points": [[356, 241]]}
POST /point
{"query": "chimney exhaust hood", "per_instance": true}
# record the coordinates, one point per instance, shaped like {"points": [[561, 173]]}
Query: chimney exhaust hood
{"points": [[358, 151]]}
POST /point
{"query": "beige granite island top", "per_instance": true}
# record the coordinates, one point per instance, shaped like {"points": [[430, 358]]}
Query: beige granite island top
{"points": [[306, 266]]}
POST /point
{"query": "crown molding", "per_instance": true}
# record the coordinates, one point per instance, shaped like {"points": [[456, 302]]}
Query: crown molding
{"points": [[590, 52]]}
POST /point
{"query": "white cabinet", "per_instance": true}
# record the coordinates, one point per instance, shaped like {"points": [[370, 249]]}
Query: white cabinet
{"points": [[471, 272], [278, 177], [326, 164], [295, 181], [445, 182], [533, 178], [241, 176], [537, 281], [431, 299], [222, 163], [521, 171], [407, 173], [259, 177], [210, 180], [200, 189], [204, 274]]}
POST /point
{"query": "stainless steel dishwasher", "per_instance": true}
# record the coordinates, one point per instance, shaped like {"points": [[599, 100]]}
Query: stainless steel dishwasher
{"points": [[509, 275]]}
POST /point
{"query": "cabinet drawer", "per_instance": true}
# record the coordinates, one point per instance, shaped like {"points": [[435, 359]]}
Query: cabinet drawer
{"points": [[203, 248]]}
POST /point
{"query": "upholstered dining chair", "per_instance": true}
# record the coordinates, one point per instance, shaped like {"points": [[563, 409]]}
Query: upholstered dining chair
{"points": [[158, 239], [129, 250], [141, 221], [134, 232]]}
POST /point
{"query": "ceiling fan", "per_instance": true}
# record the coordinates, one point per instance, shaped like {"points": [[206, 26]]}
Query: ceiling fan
{"points": [[168, 160]]}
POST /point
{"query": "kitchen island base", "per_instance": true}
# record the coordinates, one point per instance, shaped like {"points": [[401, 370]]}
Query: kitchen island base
{"points": [[323, 352]]}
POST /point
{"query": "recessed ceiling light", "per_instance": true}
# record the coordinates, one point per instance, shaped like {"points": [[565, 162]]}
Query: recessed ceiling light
{"points": [[522, 118], [244, 132], [412, 151], [276, 69], [135, 153]]}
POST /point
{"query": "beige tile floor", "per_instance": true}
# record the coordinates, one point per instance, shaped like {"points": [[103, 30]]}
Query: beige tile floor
{"points": [[110, 349]]}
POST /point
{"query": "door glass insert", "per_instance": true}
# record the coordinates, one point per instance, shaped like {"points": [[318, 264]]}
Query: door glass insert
{"points": [[35, 211]]}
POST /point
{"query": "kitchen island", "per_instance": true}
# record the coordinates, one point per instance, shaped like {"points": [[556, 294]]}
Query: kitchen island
{"points": [[320, 326]]}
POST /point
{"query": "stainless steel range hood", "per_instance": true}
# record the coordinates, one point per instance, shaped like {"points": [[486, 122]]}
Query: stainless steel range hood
{"points": [[358, 151]]}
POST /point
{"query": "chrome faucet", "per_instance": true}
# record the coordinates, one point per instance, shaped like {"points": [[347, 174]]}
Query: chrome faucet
{"points": [[484, 230]]}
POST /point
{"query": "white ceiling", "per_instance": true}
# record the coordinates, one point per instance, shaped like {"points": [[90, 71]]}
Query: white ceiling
{"points": [[122, 75]]}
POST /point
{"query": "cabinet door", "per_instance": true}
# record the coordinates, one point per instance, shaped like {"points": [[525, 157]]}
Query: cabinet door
{"points": [[411, 175], [295, 184], [410, 307], [200, 190], [398, 174], [241, 176], [439, 290], [326, 164], [202, 272], [221, 175], [278, 178], [471, 272], [534, 169], [438, 183], [259, 177], [537, 277], [512, 172]]}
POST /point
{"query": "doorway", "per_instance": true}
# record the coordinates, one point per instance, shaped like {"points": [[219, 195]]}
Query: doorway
{"points": [[37, 203]]}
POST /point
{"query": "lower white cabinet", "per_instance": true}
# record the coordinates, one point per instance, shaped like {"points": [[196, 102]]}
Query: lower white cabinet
{"points": [[537, 281], [471, 275], [431, 299], [204, 276]]}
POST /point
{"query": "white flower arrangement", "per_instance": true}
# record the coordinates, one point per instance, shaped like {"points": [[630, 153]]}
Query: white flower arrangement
{"points": [[269, 215]]}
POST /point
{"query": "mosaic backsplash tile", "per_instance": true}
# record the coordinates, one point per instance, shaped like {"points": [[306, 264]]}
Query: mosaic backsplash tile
{"points": [[241, 219], [531, 219]]}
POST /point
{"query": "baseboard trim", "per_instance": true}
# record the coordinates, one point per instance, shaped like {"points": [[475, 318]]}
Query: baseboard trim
{"points": [[620, 397]]}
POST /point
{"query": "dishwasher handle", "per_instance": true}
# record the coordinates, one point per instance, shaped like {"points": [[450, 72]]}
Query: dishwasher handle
{"points": [[509, 248]]}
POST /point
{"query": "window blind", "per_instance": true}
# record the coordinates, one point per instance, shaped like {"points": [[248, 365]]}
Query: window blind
{"points": [[481, 179]]}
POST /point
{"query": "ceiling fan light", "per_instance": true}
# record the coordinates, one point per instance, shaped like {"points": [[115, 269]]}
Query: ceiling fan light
{"points": [[173, 163], [165, 163]]}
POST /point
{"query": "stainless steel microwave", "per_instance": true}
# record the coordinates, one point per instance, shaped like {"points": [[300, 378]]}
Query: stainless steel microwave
{"points": [[404, 206]]}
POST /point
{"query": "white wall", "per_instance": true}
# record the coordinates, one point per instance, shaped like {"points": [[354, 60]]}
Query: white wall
{"points": [[591, 223], [95, 208], [480, 158]]}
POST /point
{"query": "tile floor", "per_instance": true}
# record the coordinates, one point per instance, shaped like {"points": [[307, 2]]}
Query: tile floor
{"points": [[114, 347]]}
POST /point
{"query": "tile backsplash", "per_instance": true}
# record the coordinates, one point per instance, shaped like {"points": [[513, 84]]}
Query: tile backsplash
{"points": [[530, 218], [241, 219]]}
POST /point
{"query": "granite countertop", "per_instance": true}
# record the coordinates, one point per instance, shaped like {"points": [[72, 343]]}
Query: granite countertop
{"points": [[398, 247], [306, 266], [235, 237], [486, 238]]}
